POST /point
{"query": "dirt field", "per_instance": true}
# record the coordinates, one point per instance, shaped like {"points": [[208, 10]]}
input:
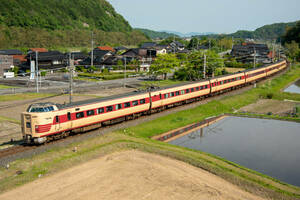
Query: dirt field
{"points": [[264, 106], [130, 175]]}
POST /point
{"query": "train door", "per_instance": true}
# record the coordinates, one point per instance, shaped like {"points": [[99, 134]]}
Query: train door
{"points": [[70, 124], [57, 123]]}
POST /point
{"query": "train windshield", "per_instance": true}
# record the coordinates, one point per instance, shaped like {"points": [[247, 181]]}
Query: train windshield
{"points": [[40, 108]]}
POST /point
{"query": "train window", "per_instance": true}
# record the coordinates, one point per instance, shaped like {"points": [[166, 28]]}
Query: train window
{"points": [[160, 96], [79, 115], [118, 106], [90, 112], [177, 93], [182, 91], [142, 101], [69, 116], [100, 110], [187, 90], [205, 87], [126, 105], [172, 94], [197, 88], [233, 79], [192, 90], [109, 108], [201, 87], [135, 103], [166, 96], [56, 119]]}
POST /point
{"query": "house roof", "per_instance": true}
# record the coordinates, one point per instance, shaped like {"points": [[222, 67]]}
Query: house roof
{"points": [[77, 55], [21, 58], [147, 45], [105, 48], [120, 48], [46, 56], [100, 53], [11, 52], [38, 50]]}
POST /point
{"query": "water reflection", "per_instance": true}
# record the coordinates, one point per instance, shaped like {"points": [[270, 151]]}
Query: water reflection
{"points": [[268, 146], [294, 88]]}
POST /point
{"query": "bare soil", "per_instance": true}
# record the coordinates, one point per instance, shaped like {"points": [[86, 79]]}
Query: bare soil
{"points": [[265, 106], [130, 175]]}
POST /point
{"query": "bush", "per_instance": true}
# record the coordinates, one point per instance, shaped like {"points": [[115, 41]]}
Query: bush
{"points": [[43, 73]]}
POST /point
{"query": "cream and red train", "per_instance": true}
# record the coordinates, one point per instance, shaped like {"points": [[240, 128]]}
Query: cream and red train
{"points": [[47, 121]]}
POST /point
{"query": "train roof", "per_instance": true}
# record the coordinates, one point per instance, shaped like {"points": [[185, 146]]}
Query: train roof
{"points": [[113, 97], [98, 100]]}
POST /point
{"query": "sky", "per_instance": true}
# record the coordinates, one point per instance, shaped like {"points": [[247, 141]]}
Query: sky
{"points": [[218, 16]]}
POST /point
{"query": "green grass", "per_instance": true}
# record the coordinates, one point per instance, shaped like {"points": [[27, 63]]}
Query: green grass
{"points": [[59, 159], [25, 96], [105, 76], [214, 108], [137, 138], [6, 119], [7, 87]]}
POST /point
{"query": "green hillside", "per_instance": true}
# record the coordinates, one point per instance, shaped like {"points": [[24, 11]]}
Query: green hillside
{"points": [[267, 32], [56, 21], [156, 34]]}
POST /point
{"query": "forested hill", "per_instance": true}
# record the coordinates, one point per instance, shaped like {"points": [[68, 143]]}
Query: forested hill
{"points": [[62, 14], [54, 21], [271, 31], [156, 34], [267, 32]]}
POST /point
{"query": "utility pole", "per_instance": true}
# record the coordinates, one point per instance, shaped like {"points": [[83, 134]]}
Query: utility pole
{"points": [[71, 69], [254, 59], [204, 67], [37, 72], [92, 54], [273, 53], [125, 73]]}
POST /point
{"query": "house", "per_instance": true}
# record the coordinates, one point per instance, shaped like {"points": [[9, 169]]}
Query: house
{"points": [[176, 46], [6, 63], [105, 48], [10, 52], [77, 57], [48, 60], [18, 57], [162, 49], [148, 45], [144, 55], [246, 52], [31, 50], [98, 57]]}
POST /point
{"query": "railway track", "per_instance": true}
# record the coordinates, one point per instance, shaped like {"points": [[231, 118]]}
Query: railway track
{"points": [[4, 153], [15, 149]]}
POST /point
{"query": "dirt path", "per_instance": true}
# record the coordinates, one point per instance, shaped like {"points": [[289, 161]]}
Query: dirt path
{"points": [[264, 106], [130, 175]]}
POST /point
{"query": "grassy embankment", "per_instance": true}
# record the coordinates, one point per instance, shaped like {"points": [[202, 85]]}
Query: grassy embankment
{"points": [[24, 96], [138, 138], [7, 87]]}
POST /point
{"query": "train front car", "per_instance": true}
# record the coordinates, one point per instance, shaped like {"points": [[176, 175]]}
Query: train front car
{"points": [[36, 120]]}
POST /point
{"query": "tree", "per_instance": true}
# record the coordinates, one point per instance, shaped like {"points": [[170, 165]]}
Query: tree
{"points": [[193, 68], [225, 43], [193, 43], [292, 34], [292, 49], [163, 64]]}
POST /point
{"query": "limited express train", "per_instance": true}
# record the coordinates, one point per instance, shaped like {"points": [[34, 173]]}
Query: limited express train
{"points": [[44, 122]]}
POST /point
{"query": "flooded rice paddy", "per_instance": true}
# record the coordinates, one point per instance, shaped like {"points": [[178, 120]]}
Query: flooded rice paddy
{"points": [[294, 88], [271, 147]]}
